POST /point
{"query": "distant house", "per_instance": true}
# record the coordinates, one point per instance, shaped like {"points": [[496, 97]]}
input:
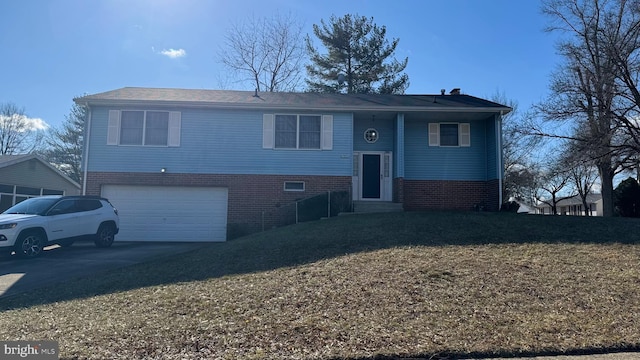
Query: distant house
{"points": [[574, 206], [187, 165], [26, 176]]}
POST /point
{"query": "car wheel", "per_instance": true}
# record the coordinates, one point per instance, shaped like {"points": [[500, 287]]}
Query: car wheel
{"points": [[30, 245], [105, 236]]}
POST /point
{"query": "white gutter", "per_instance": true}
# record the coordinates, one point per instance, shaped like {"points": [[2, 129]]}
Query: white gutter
{"points": [[263, 106], [499, 157], [86, 146]]}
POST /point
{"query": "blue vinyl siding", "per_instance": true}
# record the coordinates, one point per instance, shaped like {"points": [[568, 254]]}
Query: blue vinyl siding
{"points": [[398, 152], [386, 133], [492, 168], [424, 162], [221, 142]]}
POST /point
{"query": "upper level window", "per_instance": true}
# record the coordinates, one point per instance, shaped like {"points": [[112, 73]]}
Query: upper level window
{"points": [[449, 134], [144, 127], [291, 131], [297, 131]]}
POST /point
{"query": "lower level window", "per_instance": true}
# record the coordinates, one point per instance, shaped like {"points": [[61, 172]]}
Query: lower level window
{"points": [[294, 186]]}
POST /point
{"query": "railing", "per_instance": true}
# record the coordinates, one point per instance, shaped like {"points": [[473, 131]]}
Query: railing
{"points": [[325, 205]]}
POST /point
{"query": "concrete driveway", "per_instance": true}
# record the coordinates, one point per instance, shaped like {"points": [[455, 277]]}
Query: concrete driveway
{"points": [[82, 259]]}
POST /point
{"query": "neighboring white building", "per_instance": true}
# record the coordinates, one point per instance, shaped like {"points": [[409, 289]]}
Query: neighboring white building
{"points": [[574, 206], [28, 175]]}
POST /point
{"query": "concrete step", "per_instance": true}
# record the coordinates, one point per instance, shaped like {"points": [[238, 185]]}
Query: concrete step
{"points": [[376, 207]]}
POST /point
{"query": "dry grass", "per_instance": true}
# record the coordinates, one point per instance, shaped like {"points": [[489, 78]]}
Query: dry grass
{"points": [[380, 298]]}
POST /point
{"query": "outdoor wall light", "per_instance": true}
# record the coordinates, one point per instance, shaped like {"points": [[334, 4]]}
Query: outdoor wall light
{"points": [[163, 170]]}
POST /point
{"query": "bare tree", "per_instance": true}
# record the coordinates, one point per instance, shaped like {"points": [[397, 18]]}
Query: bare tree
{"points": [[18, 135], [582, 172], [65, 144], [522, 183], [552, 185], [517, 149], [621, 37], [586, 91], [266, 52]]}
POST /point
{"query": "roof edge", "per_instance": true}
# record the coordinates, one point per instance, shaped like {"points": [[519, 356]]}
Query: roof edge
{"points": [[220, 105], [26, 157]]}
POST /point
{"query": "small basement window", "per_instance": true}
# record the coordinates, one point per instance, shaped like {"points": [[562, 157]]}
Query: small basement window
{"points": [[294, 186]]}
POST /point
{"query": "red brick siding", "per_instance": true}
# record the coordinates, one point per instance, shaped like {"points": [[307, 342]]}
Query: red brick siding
{"points": [[255, 201], [450, 195], [493, 189], [398, 190]]}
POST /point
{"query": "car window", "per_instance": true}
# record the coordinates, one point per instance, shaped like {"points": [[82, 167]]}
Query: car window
{"points": [[64, 207], [34, 206], [89, 204]]}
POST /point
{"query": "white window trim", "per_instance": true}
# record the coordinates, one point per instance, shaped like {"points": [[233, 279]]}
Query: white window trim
{"points": [[173, 128], [294, 182], [269, 132], [464, 134], [298, 132]]}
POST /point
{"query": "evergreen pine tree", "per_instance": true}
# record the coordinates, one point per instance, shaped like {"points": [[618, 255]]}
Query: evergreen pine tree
{"points": [[359, 58]]}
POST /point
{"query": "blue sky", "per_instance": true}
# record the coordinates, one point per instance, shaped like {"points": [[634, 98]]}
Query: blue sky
{"points": [[53, 51]]}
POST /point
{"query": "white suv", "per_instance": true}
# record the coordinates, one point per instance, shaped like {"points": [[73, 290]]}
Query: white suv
{"points": [[32, 224]]}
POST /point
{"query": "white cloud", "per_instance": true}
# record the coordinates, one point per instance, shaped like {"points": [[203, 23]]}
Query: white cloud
{"points": [[30, 124], [173, 53], [37, 124]]}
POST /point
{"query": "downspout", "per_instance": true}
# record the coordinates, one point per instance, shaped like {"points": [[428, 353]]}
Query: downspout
{"points": [[499, 157], [86, 148]]}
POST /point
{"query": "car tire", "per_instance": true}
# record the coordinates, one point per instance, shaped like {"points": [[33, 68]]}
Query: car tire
{"points": [[30, 245], [105, 235]]}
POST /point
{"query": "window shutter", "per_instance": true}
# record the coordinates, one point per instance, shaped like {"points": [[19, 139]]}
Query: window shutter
{"points": [[267, 131], [464, 134], [327, 132], [434, 134], [113, 129], [175, 123]]}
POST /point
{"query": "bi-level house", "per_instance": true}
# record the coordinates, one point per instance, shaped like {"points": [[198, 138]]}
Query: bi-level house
{"points": [[193, 165]]}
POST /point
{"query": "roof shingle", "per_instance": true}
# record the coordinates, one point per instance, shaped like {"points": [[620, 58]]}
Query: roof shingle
{"points": [[229, 98]]}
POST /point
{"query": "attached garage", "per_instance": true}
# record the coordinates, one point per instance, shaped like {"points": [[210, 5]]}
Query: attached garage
{"points": [[169, 213]]}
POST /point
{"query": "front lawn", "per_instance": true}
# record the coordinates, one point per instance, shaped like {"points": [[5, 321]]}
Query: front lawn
{"points": [[362, 286]]}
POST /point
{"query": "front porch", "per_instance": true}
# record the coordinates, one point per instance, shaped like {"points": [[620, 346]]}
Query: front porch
{"points": [[404, 158]]}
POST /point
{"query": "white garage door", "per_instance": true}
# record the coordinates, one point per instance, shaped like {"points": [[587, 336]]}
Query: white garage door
{"points": [[169, 213]]}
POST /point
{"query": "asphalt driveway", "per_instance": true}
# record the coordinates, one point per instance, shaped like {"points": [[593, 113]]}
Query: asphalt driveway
{"points": [[82, 259]]}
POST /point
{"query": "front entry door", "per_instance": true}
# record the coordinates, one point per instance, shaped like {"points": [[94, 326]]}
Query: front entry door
{"points": [[371, 176]]}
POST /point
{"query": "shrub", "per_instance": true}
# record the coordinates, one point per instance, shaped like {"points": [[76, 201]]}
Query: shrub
{"points": [[627, 198], [510, 206]]}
